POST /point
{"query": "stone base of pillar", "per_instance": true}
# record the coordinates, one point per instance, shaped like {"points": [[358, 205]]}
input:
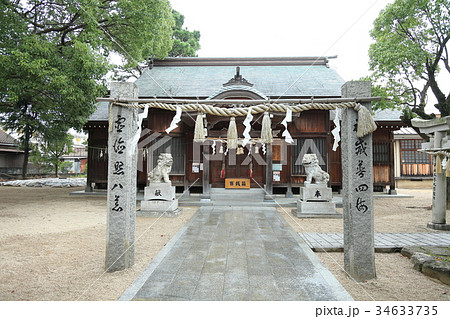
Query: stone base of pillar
{"points": [[316, 210], [393, 192], [289, 194], [157, 208], [438, 226]]}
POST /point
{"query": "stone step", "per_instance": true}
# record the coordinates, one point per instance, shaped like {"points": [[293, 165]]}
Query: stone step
{"points": [[237, 195], [234, 203]]}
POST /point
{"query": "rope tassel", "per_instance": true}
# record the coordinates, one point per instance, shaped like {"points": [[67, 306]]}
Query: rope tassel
{"points": [[366, 124], [447, 168], [266, 130], [199, 132], [232, 135], [438, 165]]}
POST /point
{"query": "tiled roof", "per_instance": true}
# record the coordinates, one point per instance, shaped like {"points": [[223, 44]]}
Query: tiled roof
{"points": [[204, 77], [203, 81], [405, 131], [102, 112], [5, 138], [387, 115]]}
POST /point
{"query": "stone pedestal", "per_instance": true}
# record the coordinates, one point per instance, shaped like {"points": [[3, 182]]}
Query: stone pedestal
{"points": [[316, 202], [159, 191], [159, 200]]}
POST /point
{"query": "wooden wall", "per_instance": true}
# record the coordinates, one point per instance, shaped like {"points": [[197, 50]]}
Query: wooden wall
{"points": [[313, 124], [97, 154], [309, 125]]}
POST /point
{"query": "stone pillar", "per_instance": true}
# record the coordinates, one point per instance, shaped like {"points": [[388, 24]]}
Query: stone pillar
{"points": [[439, 203], [357, 181], [206, 184], [269, 171], [437, 127], [122, 171]]}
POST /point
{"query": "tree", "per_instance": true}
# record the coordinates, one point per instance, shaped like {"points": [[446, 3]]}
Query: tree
{"points": [[411, 48], [54, 57], [49, 152], [185, 43]]}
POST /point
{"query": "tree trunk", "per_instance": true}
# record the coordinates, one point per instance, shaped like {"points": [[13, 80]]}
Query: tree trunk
{"points": [[56, 170], [25, 161], [26, 149]]}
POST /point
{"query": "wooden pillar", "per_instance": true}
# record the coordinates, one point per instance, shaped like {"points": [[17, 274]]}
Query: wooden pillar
{"points": [[122, 171], [357, 181], [392, 189]]}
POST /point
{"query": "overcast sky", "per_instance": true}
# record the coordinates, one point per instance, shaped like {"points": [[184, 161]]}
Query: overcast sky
{"points": [[261, 28]]}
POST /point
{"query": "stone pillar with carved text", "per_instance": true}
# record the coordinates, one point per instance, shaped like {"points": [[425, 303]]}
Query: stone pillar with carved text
{"points": [[122, 171], [357, 181]]}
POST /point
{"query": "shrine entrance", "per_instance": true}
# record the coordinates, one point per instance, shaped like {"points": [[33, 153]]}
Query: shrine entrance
{"points": [[239, 164]]}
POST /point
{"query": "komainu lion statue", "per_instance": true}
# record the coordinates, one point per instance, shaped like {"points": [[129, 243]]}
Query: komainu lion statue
{"points": [[161, 172], [313, 170]]}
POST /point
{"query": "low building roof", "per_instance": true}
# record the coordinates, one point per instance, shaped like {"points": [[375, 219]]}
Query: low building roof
{"points": [[6, 139], [387, 115]]}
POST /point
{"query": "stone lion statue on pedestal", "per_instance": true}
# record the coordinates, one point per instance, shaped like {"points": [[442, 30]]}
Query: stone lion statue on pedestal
{"points": [[313, 170], [160, 173]]}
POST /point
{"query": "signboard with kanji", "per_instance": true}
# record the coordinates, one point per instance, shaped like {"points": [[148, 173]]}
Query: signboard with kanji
{"points": [[237, 183]]}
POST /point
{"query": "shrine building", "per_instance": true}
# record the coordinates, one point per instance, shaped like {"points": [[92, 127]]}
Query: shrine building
{"points": [[268, 79]]}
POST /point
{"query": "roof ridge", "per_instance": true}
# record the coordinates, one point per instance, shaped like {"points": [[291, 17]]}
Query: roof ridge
{"points": [[242, 61]]}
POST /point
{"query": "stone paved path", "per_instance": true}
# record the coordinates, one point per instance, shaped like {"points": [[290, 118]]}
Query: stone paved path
{"points": [[236, 253], [384, 242]]}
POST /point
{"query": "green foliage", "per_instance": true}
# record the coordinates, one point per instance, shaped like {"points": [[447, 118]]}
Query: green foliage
{"points": [[54, 57], [410, 49], [185, 43], [50, 150]]}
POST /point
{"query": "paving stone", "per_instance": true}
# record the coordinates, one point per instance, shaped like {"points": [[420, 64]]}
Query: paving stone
{"points": [[153, 290], [182, 287], [383, 241], [227, 253], [210, 287], [263, 288], [316, 290]]}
